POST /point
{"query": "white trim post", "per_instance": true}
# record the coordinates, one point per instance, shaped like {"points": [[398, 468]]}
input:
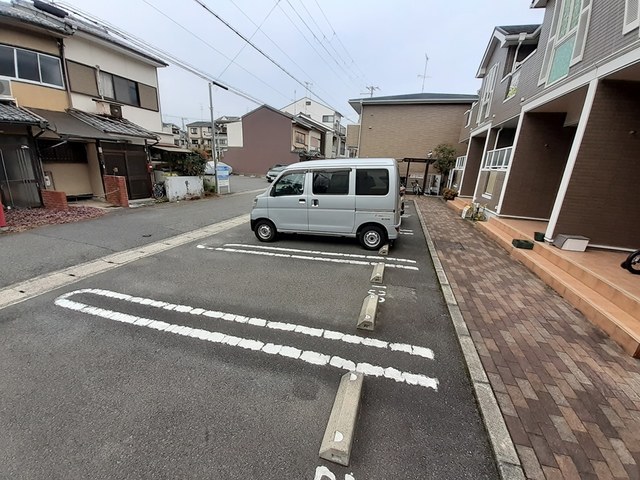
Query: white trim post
{"points": [[513, 153], [571, 161]]}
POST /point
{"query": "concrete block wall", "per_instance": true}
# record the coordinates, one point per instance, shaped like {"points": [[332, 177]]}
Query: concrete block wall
{"points": [[54, 200], [116, 190]]}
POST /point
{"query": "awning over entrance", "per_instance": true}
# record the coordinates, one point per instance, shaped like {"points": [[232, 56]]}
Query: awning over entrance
{"points": [[68, 126], [171, 149], [117, 127], [12, 114]]}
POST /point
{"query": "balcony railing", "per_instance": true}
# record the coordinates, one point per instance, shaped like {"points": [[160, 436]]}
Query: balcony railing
{"points": [[497, 159]]}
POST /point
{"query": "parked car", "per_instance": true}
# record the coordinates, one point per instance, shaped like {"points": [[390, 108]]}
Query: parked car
{"points": [[275, 171], [347, 197], [210, 167]]}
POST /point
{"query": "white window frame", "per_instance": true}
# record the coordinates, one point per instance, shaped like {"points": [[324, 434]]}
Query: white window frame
{"points": [[16, 73], [580, 31], [634, 22], [487, 93]]}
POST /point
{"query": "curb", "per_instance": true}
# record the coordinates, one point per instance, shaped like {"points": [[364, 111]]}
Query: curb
{"points": [[504, 450]]}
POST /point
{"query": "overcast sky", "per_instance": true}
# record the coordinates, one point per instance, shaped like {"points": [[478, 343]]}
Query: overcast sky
{"points": [[345, 46]]}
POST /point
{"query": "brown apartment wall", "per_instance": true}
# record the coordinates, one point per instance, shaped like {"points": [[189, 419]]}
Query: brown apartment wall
{"points": [[537, 165], [604, 192], [400, 131], [266, 141], [472, 168]]}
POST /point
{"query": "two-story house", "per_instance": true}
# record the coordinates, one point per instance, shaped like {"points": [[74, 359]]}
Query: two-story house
{"points": [[555, 126], [96, 98], [199, 135], [266, 136], [334, 141]]}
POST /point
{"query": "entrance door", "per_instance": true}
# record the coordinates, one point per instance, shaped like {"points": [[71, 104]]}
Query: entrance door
{"points": [[129, 161], [18, 182]]}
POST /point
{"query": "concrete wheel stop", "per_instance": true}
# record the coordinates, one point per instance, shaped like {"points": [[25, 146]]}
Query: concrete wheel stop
{"points": [[338, 437]]}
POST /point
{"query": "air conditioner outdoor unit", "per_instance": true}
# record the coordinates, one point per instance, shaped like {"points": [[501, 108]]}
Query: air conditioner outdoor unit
{"points": [[5, 89], [116, 111]]}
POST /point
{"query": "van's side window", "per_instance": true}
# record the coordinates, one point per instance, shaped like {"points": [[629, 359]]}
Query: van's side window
{"points": [[331, 183], [372, 181], [289, 184]]}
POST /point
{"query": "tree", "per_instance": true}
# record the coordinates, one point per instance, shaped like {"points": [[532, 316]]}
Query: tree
{"points": [[191, 164], [445, 158]]}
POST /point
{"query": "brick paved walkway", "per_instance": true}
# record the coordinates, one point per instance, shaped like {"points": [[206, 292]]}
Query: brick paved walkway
{"points": [[569, 395]]}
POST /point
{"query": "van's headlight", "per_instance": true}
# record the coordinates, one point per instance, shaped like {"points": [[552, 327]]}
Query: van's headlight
{"points": [[255, 201]]}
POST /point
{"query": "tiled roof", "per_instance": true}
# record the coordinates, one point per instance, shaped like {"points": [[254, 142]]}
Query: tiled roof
{"points": [[199, 124], [34, 17], [11, 114], [26, 12], [117, 126]]}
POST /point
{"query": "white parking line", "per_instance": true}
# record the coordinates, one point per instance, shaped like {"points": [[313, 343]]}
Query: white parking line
{"points": [[260, 322], [305, 257], [307, 356], [319, 252]]}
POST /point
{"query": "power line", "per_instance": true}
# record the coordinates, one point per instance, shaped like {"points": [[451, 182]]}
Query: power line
{"points": [[346, 50], [199, 2], [251, 37], [324, 37], [214, 48], [318, 40], [165, 56], [275, 44]]}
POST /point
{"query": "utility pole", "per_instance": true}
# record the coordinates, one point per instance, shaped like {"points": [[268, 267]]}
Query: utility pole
{"points": [[424, 74], [371, 88], [213, 140]]}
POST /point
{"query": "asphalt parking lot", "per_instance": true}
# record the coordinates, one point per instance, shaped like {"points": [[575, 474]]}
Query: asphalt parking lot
{"points": [[221, 359]]}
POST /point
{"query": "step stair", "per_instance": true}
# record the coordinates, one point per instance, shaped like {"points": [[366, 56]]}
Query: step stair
{"points": [[613, 310]]}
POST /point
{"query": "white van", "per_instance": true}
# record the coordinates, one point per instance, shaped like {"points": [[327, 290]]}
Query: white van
{"points": [[349, 197]]}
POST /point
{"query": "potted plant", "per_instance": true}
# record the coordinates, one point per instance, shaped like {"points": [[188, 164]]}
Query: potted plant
{"points": [[449, 193]]}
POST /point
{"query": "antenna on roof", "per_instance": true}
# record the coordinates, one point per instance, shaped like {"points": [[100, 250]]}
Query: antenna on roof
{"points": [[371, 88], [424, 74]]}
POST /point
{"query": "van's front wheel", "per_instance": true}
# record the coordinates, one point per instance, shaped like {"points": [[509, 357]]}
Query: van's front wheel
{"points": [[372, 237], [265, 231]]}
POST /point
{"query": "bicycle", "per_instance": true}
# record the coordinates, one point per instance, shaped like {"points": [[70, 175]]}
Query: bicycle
{"points": [[632, 263], [159, 191], [415, 186]]}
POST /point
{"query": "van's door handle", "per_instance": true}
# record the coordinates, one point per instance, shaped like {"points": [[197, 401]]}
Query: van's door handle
{"points": [[302, 200], [314, 203]]}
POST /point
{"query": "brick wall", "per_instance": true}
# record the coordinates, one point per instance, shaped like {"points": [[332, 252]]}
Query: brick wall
{"points": [[400, 131], [54, 200], [116, 190], [604, 192]]}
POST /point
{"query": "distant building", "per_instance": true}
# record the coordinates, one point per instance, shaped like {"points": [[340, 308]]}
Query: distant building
{"points": [[179, 136], [266, 136], [335, 138]]}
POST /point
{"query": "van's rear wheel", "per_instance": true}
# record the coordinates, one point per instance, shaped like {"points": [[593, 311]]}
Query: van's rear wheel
{"points": [[372, 237], [265, 231]]}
